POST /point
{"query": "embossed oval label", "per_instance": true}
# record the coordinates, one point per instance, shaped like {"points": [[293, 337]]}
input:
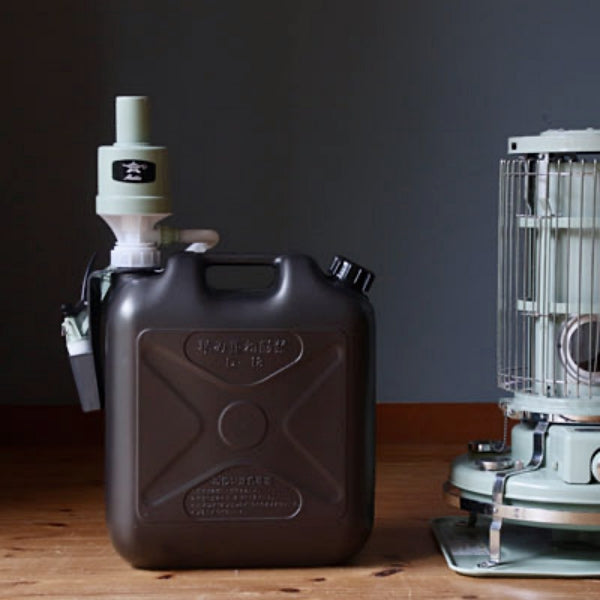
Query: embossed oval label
{"points": [[242, 492], [243, 357]]}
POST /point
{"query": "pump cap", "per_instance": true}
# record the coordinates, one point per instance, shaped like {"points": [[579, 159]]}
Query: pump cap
{"points": [[351, 274]]}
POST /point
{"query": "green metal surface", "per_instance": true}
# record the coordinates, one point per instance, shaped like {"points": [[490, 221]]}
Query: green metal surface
{"points": [[526, 551], [566, 478], [543, 486]]}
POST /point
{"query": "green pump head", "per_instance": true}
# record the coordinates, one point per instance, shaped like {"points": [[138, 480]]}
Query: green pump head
{"points": [[133, 190]]}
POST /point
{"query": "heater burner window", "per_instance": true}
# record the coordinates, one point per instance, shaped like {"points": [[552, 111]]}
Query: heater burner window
{"points": [[580, 348]]}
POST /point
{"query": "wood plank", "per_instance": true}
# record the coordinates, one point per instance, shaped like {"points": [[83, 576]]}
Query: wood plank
{"points": [[402, 422], [54, 543], [50, 424], [438, 422]]}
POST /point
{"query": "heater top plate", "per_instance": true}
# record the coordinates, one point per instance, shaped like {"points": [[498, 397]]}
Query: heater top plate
{"points": [[557, 141]]}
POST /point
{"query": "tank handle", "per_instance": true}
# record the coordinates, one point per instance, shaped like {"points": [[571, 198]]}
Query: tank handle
{"points": [[272, 261]]}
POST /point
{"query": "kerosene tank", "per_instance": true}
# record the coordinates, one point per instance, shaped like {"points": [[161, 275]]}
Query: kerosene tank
{"points": [[239, 420]]}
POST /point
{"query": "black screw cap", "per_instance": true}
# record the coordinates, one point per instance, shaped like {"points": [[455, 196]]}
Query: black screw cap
{"points": [[351, 274]]}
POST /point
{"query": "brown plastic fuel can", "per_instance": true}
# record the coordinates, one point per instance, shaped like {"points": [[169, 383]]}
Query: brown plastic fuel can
{"points": [[240, 423]]}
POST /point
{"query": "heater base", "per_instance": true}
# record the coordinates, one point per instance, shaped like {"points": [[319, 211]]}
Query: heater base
{"points": [[526, 551]]}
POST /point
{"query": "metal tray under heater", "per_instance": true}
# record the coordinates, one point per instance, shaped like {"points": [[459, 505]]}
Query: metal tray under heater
{"points": [[526, 552], [534, 506]]}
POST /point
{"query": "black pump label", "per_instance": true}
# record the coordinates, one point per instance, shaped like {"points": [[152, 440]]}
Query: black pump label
{"points": [[134, 171]]}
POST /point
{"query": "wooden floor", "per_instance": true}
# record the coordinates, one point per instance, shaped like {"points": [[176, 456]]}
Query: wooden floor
{"points": [[54, 544]]}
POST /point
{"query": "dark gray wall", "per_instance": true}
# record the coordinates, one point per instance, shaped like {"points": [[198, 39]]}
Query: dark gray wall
{"points": [[368, 128]]}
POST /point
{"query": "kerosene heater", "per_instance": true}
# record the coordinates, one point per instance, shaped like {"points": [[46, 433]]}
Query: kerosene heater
{"points": [[534, 506]]}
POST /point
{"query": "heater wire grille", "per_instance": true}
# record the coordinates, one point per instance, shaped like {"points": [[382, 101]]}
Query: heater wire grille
{"points": [[549, 277]]}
